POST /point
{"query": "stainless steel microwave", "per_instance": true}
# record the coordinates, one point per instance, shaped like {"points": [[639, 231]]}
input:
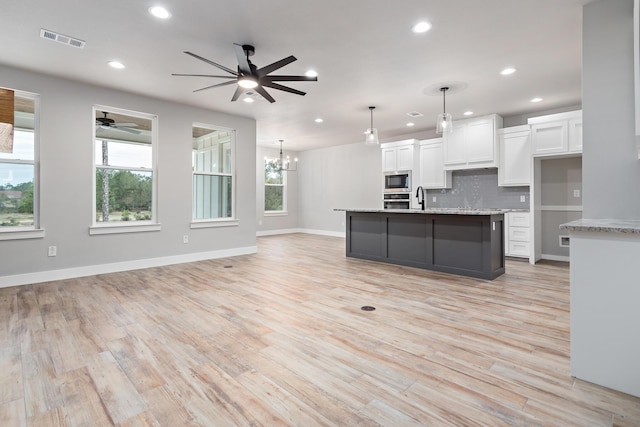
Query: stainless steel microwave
{"points": [[397, 182]]}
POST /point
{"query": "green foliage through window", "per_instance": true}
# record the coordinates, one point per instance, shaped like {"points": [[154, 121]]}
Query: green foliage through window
{"points": [[274, 186]]}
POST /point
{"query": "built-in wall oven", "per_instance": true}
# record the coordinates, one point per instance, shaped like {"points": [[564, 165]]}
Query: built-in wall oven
{"points": [[397, 201], [397, 182]]}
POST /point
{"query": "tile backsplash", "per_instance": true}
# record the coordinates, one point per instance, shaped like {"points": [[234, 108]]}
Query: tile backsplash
{"points": [[478, 188]]}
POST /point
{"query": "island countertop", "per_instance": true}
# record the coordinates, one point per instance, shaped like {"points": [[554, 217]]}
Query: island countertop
{"points": [[435, 211]]}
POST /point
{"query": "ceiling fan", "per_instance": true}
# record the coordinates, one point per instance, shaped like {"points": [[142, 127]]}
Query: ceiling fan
{"points": [[108, 123], [248, 76]]}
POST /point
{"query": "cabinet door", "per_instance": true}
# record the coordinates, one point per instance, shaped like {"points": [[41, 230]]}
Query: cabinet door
{"points": [[404, 158], [480, 142], [432, 166], [388, 159], [515, 159], [454, 149], [575, 135], [550, 138]]}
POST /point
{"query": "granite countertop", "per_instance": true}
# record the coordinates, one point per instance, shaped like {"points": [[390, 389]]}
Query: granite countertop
{"points": [[604, 225], [432, 211]]}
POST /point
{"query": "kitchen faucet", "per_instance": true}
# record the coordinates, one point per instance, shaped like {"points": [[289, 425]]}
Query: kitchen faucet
{"points": [[419, 192]]}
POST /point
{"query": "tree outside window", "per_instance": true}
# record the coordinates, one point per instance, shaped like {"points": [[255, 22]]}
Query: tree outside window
{"points": [[18, 160], [124, 166], [274, 187]]}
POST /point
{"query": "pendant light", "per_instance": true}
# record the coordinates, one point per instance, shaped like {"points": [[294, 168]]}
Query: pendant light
{"points": [[371, 134], [444, 123], [284, 163]]}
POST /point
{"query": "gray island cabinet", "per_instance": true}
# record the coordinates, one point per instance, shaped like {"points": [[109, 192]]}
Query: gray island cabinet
{"points": [[468, 242]]}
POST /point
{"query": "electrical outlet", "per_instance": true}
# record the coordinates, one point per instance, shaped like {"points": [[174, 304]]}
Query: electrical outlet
{"points": [[576, 193], [523, 199], [185, 238], [260, 222], [433, 199], [53, 251]]}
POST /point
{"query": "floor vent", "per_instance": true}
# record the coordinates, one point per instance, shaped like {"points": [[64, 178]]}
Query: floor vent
{"points": [[60, 38]]}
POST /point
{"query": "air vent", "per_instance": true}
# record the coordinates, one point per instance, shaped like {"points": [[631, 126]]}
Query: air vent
{"points": [[415, 114], [60, 38]]}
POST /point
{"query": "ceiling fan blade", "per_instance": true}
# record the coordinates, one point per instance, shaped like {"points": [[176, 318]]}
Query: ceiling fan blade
{"points": [[203, 75], [243, 63], [125, 129], [237, 93], [264, 94], [222, 67], [284, 88], [218, 85], [129, 125], [290, 79], [276, 65]]}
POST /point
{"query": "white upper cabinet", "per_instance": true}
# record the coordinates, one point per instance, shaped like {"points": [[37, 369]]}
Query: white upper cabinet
{"points": [[398, 156], [432, 173], [515, 156], [472, 143], [556, 134]]}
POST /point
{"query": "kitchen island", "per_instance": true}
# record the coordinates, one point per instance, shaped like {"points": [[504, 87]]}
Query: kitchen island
{"points": [[469, 242]]}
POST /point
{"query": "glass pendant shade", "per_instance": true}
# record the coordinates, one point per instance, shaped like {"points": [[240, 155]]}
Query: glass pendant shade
{"points": [[371, 136], [444, 123]]}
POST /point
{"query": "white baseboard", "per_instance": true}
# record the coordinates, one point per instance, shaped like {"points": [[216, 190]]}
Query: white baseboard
{"points": [[555, 257], [276, 232], [325, 232], [301, 230], [70, 273]]}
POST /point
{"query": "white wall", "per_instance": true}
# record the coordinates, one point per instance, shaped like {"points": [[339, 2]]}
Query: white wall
{"points": [[346, 176], [270, 224], [611, 170], [66, 123]]}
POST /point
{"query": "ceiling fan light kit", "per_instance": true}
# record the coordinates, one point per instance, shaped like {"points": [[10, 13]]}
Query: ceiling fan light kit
{"points": [[248, 76]]}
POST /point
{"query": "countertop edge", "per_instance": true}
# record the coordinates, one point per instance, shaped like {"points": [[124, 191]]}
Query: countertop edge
{"points": [[603, 226], [432, 211]]}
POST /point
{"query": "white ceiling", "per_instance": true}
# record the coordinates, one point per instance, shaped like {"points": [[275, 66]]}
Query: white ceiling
{"points": [[363, 50]]}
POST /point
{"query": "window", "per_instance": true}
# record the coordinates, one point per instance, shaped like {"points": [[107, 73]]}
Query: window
{"points": [[275, 183], [125, 175], [19, 167], [213, 151]]}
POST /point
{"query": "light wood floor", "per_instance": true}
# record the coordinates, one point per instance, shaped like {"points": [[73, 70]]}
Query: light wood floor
{"points": [[279, 338]]}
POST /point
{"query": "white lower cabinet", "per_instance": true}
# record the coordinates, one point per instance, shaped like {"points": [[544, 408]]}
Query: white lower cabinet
{"points": [[517, 234]]}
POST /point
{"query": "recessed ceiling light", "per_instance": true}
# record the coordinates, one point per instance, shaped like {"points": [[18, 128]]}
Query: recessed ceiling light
{"points": [[410, 124], [311, 73], [468, 113], [116, 64], [421, 27], [248, 99], [507, 71], [536, 99], [319, 120], [159, 12]]}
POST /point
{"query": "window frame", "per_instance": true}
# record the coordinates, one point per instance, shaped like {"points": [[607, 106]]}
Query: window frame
{"points": [[215, 222], [284, 186], [115, 227], [33, 231]]}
